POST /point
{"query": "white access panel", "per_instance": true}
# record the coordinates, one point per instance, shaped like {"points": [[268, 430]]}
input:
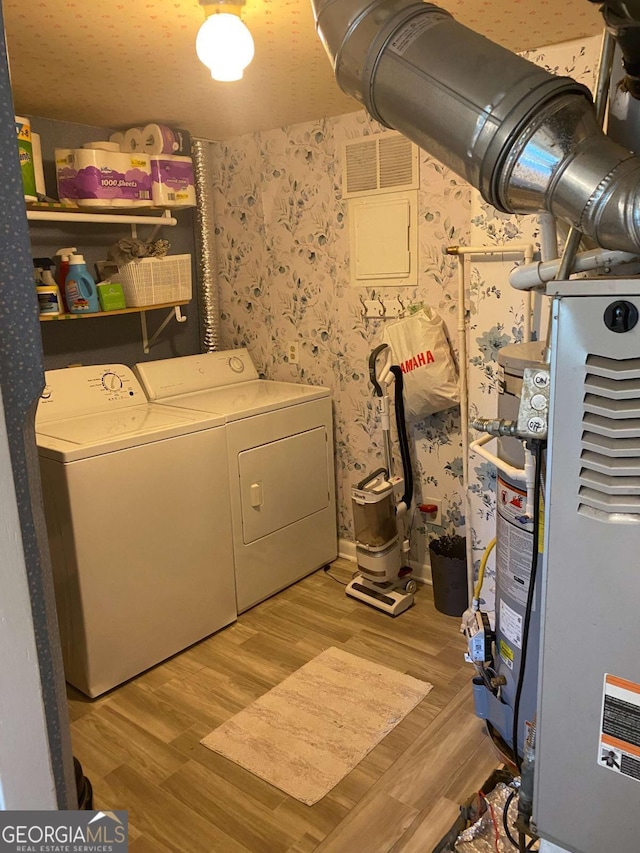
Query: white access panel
{"points": [[383, 233], [283, 482], [382, 238]]}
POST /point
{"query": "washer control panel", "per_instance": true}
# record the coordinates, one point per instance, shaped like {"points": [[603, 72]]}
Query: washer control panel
{"points": [[74, 391]]}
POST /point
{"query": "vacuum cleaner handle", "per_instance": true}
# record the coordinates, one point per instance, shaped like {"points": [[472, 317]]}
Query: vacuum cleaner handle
{"points": [[370, 477], [373, 376]]}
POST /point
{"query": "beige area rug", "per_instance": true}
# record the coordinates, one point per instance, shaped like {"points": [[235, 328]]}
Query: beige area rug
{"points": [[308, 732]]}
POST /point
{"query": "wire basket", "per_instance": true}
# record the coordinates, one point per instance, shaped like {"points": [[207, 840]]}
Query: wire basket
{"points": [[155, 281]]}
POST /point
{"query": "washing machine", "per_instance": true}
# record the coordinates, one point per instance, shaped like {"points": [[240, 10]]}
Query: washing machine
{"points": [[136, 500], [281, 470]]}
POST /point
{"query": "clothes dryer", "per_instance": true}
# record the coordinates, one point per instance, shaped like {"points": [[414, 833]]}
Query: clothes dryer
{"points": [[281, 468], [136, 499]]}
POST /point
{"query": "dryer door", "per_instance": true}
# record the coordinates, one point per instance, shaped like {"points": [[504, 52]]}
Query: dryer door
{"points": [[283, 482]]}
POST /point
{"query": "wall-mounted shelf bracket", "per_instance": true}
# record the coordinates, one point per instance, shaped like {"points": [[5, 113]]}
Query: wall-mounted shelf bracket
{"points": [[164, 219], [148, 342]]}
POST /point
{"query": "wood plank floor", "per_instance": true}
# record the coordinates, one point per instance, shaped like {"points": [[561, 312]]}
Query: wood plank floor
{"points": [[140, 744]]}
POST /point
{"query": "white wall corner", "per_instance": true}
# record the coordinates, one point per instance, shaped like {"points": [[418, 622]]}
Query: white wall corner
{"points": [[421, 571], [26, 773], [347, 549]]}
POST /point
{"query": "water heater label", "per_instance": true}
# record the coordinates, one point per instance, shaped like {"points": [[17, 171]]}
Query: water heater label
{"points": [[511, 624], [515, 543], [619, 747], [506, 653]]}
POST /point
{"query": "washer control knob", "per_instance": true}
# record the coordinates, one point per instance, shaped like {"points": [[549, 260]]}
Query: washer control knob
{"points": [[111, 381], [236, 364]]}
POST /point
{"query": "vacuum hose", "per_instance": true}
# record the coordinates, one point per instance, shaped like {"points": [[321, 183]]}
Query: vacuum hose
{"points": [[527, 139], [402, 435]]}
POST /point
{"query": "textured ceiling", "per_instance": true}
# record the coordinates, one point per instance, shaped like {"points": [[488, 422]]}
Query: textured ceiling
{"points": [[119, 64]]}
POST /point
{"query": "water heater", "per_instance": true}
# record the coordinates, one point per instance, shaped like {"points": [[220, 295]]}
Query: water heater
{"points": [[513, 561]]}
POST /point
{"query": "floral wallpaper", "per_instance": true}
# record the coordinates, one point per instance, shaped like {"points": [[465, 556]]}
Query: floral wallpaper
{"points": [[282, 243], [282, 246]]}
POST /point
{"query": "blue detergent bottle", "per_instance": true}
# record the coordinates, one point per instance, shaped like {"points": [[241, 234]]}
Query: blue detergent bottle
{"points": [[81, 294]]}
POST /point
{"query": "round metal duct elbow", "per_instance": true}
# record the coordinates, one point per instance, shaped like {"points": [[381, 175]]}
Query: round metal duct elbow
{"points": [[527, 139]]}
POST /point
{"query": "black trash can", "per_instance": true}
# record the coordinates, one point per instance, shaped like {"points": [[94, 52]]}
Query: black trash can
{"points": [[449, 574]]}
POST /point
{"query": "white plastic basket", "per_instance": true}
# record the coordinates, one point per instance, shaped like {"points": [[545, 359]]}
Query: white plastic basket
{"points": [[155, 281]]}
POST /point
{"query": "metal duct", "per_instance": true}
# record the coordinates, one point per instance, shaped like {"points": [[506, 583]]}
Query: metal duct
{"points": [[205, 236], [522, 136]]}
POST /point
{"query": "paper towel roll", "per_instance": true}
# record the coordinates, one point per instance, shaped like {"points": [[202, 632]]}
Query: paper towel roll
{"points": [[133, 140], [173, 183], [25, 152], [118, 138], [102, 146], [183, 142], [37, 163], [94, 176], [158, 139]]}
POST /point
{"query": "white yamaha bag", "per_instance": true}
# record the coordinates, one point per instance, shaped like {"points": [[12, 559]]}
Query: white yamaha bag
{"points": [[420, 346]]}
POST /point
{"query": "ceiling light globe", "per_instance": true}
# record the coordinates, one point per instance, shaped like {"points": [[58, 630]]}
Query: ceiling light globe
{"points": [[224, 45]]}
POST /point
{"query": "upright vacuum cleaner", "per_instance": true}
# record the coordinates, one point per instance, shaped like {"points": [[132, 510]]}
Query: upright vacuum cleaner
{"points": [[380, 504]]}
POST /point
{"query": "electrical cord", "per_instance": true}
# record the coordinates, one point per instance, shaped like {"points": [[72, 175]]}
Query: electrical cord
{"points": [[539, 446], [505, 820], [409, 532], [482, 672], [491, 810], [333, 577]]}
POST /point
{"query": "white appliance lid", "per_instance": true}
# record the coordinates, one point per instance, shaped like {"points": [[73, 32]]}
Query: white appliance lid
{"points": [[96, 429], [86, 411], [71, 439], [249, 398]]}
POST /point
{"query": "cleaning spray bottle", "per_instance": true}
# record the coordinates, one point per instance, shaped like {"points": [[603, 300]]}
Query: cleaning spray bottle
{"points": [[80, 288], [48, 292], [64, 255]]}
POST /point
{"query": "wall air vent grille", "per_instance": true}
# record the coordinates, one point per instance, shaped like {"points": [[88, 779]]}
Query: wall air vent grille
{"points": [[610, 444], [383, 163]]}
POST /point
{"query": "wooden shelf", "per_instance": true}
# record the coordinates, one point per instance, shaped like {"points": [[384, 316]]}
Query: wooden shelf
{"points": [[166, 305], [156, 217]]}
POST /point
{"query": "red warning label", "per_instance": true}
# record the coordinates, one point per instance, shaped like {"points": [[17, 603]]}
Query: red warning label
{"points": [[619, 747]]}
